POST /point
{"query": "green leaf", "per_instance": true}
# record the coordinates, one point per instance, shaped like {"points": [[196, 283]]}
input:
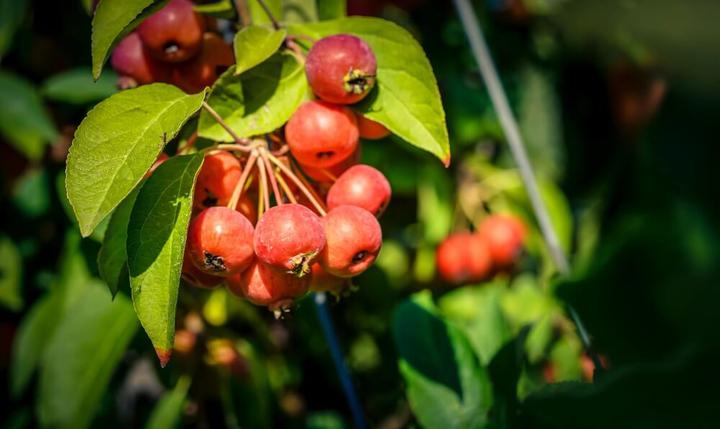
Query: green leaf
{"points": [[113, 19], [258, 101], [446, 387], [224, 9], [112, 258], [258, 16], [299, 11], [12, 13], [168, 411], [31, 193], [10, 275], [407, 99], [477, 312], [118, 142], [38, 327], [331, 9], [23, 119], [253, 45], [78, 87], [81, 357], [155, 245]]}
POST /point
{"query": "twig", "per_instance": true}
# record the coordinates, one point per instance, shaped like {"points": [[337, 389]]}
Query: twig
{"points": [[269, 14], [243, 13], [223, 124], [512, 133], [320, 300]]}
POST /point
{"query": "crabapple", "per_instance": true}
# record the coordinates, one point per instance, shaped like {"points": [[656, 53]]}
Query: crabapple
{"points": [[321, 134], [354, 239], [322, 281], [262, 285], [247, 206], [131, 60], [174, 33], [327, 174], [370, 129], [463, 257], [216, 180], [362, 186], [193, 275], [220, 241], [288, 238], [213, 59], [341, 69], [504, 235]]}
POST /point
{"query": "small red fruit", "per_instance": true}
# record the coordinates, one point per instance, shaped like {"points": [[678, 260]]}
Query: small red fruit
{"points": [[462, 258], [354, 239], [322, 281], [265, 286], [216, 181], [361, 186], [321, 134], [504, 235], [220, 241], [327, 174], [174, 33], [341, 69], [195, 277], [203, 70], [248, 207], [131, 60], [370, 129], [288, 238]]}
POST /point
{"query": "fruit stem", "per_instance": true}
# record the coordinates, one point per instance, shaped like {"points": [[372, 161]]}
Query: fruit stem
{"points": [[263, 181], [223, 124], [273, 182], [328, 174], [269, 14], [301, 177], [188, 144], [237, 192], [284, 186], [234, 147], [302, 186]]}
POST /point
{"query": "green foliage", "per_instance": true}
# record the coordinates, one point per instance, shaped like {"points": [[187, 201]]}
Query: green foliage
{"points": [[258, 101], [117, 143], [77, 86], [156, 236], [168, 412], [253, 45], [23, 119], [112, 258], [331, 9], [407, 99], [12, 13], [10, 275], [112, 20], [446, 386], [76, 372]]}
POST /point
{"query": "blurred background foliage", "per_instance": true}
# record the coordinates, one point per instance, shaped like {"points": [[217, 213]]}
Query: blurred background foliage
{"points": [[618, 102]]}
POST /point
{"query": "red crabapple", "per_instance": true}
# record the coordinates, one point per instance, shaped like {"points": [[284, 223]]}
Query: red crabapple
{"points": [[361, 186], [370, 129], [288, 238], [195, 277], [248, 207], [341, 69], [463, 257], [321, 134], [203, 70], [220, 241], [321, 174], [504, 235], [216, 181], [322, 281], [262, 285], [354, 239], [174, 33], [131, 60]]}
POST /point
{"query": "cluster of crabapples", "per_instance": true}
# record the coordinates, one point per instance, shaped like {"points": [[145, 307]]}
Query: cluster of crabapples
{"points": [[278, 215], [465, 257], [174, 45]]}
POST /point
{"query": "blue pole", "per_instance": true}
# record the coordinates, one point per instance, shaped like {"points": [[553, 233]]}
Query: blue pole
{"points": [[320, 300]]}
